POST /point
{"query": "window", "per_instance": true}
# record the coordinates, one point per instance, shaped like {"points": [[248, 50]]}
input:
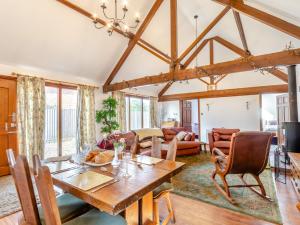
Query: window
{"points": [[60, 120], [137, 112]]}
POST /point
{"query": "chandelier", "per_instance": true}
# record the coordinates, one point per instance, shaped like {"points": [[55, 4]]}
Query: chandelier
{"points": [[116, 21]]}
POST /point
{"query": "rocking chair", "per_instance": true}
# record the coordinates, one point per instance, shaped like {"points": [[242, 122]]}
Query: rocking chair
{"points": [[249, 153]]}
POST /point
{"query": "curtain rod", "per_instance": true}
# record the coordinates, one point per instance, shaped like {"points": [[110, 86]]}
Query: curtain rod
{"points": [[55, 81]]}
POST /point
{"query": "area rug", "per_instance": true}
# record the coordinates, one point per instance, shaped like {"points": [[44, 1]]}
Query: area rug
{"points": [[8, 197], [9, 200], [195, 182]]}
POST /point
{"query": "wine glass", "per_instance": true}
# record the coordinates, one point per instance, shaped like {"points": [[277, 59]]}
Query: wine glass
{"points": [[126, 159]]}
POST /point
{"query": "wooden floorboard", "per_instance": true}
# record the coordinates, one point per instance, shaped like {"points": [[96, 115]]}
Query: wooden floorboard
{"points": [[192, 212]]}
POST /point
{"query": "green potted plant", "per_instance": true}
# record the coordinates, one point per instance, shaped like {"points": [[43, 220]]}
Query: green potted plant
{"points": [[107, 116]]}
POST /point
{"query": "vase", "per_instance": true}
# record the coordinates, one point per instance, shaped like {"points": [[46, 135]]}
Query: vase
{"points": [[115, 162]]}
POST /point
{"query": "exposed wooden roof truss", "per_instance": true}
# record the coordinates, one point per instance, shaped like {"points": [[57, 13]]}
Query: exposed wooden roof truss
{"points": [[179, 63]]}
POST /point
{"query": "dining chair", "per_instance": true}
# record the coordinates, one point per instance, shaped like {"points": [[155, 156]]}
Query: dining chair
{"points": [[134, 146], [21, 174], [163, 191], [52, 214], [156, 147], [69, 205], [248, 154]]}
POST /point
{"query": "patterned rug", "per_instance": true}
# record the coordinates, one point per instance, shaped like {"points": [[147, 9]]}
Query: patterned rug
{"points": [[195, 182], [8, 197]]}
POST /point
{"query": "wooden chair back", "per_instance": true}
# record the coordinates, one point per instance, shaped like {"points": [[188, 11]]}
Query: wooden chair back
{"points": [[47, 196], [20, 171], [249, 152], [156, 147], [134, 146], [36, 163], [171, 155]]}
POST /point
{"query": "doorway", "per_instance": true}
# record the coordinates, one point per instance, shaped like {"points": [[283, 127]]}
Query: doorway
{"points": [[189, 113], [8, 121]]}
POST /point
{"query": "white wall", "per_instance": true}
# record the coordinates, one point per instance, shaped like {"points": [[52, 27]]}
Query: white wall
{"points": [[229, 112]]}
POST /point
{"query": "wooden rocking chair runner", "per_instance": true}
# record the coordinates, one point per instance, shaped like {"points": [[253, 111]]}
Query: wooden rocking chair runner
{"points": [[249, 153]]}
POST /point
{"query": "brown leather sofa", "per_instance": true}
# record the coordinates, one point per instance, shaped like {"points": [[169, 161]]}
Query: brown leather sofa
{"points": [[190, 147], [220, 138]]}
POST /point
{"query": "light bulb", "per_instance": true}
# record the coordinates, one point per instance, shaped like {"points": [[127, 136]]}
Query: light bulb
{"points": [[137, 15], [94, 16], [126, 28], [125, 3], [109, 25]]}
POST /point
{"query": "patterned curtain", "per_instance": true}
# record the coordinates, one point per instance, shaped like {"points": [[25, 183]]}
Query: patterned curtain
{"points": [[153, 111], [31, 115], [121, 109], [86, 117]]}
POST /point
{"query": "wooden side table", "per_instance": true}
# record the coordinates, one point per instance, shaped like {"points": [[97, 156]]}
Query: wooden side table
{"points": [[203, 147]]}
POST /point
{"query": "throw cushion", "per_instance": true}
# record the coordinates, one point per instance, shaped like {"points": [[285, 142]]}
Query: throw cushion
{"points": [[225, 137], [180, 136], [146, 144], [216, 136], [188, 137], [222, 144]]}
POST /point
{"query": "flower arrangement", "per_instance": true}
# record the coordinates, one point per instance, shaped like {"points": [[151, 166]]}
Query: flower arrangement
{"points": [[120, 144]]}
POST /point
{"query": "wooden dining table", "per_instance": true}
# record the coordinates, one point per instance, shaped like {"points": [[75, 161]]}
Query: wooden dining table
{"points": [[131, 197]]}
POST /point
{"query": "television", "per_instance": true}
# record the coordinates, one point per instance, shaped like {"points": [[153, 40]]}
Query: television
{"points": [[291, 133]]}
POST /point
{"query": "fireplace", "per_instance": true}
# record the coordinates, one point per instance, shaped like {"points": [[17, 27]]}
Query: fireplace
{"points": [[291, 136]]}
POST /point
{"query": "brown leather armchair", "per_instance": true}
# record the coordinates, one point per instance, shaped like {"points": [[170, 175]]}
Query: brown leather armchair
{"points": [[220, 138], [248, 153]]}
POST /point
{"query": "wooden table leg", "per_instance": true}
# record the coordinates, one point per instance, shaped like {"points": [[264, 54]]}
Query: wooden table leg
{"points": [[132, 214], [147, 209], [140, 212]]}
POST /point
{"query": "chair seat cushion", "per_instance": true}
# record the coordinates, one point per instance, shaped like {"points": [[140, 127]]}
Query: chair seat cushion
{"points": [[222, 144], [69, 207], [162, 188], [95, 217]]}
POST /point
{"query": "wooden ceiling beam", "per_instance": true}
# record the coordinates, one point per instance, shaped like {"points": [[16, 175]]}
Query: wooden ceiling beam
{"points": [[174, 43], [227, 93], [277, 73], [134, 40], [165, 88], [174, 31], [211, 51], [150, 48], [155, 53], [202, 35], [250, 63], [270, 20], [194, 54], [231, 46], [143, 42], [240, 27]]}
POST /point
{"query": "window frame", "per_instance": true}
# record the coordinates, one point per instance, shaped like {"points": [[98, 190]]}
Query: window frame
{"points": [[59, 87], [142, 111]]}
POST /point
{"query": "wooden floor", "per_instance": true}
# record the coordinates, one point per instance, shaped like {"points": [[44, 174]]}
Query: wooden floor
{"points": [[192, 212]]}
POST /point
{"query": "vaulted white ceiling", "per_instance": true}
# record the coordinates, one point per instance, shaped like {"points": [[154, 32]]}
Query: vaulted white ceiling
{"points": [[48, 35]]}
